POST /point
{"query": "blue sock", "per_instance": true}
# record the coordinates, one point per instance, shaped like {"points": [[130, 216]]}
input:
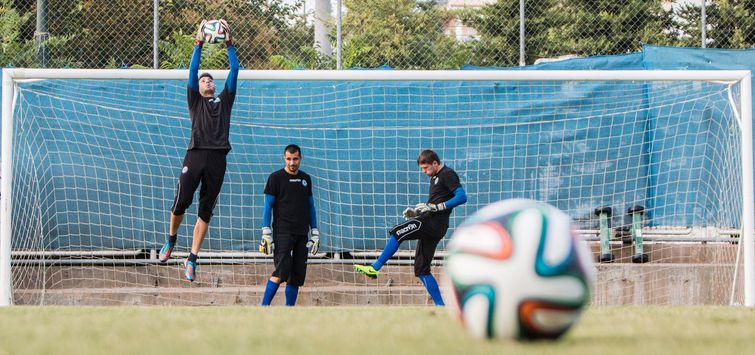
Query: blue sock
{"points": [[432, 288], [291, 293], [390, 248], [270, 291]]}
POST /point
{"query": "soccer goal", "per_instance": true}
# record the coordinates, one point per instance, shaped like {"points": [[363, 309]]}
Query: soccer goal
{"points": [[654, 167]]}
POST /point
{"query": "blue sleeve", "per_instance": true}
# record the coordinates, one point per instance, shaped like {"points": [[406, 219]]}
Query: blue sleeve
{"points": [[230, 83], [460, 198], [312, 213], [267, 214], [194, 68]]}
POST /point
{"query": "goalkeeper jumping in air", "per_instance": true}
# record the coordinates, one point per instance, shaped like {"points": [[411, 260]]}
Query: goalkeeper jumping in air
{"points": [[426, 222], [205, 160]]}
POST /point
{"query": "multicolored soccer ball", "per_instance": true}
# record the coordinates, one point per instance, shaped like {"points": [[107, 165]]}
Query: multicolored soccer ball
{"points": [[214, 31], [516, 269]]}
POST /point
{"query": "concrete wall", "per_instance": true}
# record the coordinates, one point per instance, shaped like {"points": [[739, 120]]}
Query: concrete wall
{"points": [[677, 274]]}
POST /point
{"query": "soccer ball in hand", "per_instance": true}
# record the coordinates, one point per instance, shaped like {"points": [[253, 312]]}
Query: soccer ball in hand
{"points": [[516, 269], [214, 31]]}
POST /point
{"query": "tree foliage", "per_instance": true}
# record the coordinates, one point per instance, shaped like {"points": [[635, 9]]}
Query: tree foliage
{"points": [[119, 33], [592, 27], [729, 24], [18, 51], [261, 28], [497, 25], [404, 34], [14, 49], [559, 27]]}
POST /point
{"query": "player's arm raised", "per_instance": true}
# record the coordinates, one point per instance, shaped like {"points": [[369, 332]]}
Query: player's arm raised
{"points": [[233, 60], [196, 56]]}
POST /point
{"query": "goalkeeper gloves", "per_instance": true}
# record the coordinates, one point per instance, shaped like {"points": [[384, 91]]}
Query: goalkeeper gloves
{"points": [[266, 245], [410, 213], [227, 29], [199, 39], [429, 207], [314, 241]]}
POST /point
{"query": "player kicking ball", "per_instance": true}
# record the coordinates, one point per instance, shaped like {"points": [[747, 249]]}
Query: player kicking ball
{"points": [[426, 222], [205, 160], [290, 211]]}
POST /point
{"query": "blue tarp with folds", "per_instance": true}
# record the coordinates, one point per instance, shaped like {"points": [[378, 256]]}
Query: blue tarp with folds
{"points": [[121, 158]]}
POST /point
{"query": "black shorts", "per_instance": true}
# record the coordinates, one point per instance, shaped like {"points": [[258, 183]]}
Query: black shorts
{"points": [[428, 232], [290, 257], [200, 165]]}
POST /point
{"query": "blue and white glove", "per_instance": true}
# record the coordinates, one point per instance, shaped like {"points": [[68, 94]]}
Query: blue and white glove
{"points": [[314, 241], [266, 245], [429, 207], [410, 213]]}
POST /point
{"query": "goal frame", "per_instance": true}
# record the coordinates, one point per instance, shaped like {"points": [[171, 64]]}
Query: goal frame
{"points": [[12, 75]]}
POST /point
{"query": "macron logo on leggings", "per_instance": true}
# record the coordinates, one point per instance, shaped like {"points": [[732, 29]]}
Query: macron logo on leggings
{"points": [[408, 228]]}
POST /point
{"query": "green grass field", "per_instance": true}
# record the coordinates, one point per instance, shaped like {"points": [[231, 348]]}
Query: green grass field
{"points": [[359, 330]]}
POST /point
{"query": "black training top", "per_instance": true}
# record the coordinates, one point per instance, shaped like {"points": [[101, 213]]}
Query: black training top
{"points": [[442, 187], [291, 208], [210, 119]]}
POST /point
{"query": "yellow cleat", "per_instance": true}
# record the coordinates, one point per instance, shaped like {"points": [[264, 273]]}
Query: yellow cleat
{"points": [[366, 270]]}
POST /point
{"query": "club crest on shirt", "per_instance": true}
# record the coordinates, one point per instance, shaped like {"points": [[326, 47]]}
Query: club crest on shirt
{"points": [[304, 182], [436, 180], [184, 170], [215, 100]]}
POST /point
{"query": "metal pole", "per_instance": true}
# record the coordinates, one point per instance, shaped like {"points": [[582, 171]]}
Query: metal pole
{"points": [[6, 189], [155, 34], [703, 25], [748, 213], [339, 42], [41, 35], [522, 58], [322, 21]]}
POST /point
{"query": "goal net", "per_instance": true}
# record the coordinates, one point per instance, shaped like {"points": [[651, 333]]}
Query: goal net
{"points": [[91, 159]]}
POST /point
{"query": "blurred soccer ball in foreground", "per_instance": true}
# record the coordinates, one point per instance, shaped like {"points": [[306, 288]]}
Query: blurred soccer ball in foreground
{"points": [[214, 31], [516, 269]]}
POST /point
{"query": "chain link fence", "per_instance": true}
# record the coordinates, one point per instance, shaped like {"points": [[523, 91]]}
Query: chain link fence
{"points": [[343, 34]]}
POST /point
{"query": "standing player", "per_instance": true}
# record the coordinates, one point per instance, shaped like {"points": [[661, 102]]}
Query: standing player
{"points": [[426, 222], [205, 159], [289, 201]]}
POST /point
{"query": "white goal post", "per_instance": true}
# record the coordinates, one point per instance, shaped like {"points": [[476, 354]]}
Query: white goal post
{"points": [[12, 76]]}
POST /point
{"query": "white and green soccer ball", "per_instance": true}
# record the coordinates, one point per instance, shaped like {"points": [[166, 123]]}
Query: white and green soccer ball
{"points": [[516, 269], [214, 31]]}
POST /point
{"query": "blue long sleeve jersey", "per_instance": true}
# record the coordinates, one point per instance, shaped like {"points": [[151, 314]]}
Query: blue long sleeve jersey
{"points": [[460, 198], [233, 74], [267, 214]]}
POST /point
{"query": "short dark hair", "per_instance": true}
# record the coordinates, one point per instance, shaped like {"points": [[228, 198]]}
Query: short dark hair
{"points": [[427, 156], [292, 148], [206, 74]]}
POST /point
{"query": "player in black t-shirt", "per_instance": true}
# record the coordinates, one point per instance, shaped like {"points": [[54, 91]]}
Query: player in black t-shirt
{"points": [[289, 202], [426, 222], [205, 160]]}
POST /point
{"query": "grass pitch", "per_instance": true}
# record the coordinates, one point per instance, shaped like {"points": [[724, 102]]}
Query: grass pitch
{"points": [[359, 330]]}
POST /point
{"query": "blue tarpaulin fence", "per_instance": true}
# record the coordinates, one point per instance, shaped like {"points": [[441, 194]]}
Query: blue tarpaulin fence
{"points": [[360, 142]]}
